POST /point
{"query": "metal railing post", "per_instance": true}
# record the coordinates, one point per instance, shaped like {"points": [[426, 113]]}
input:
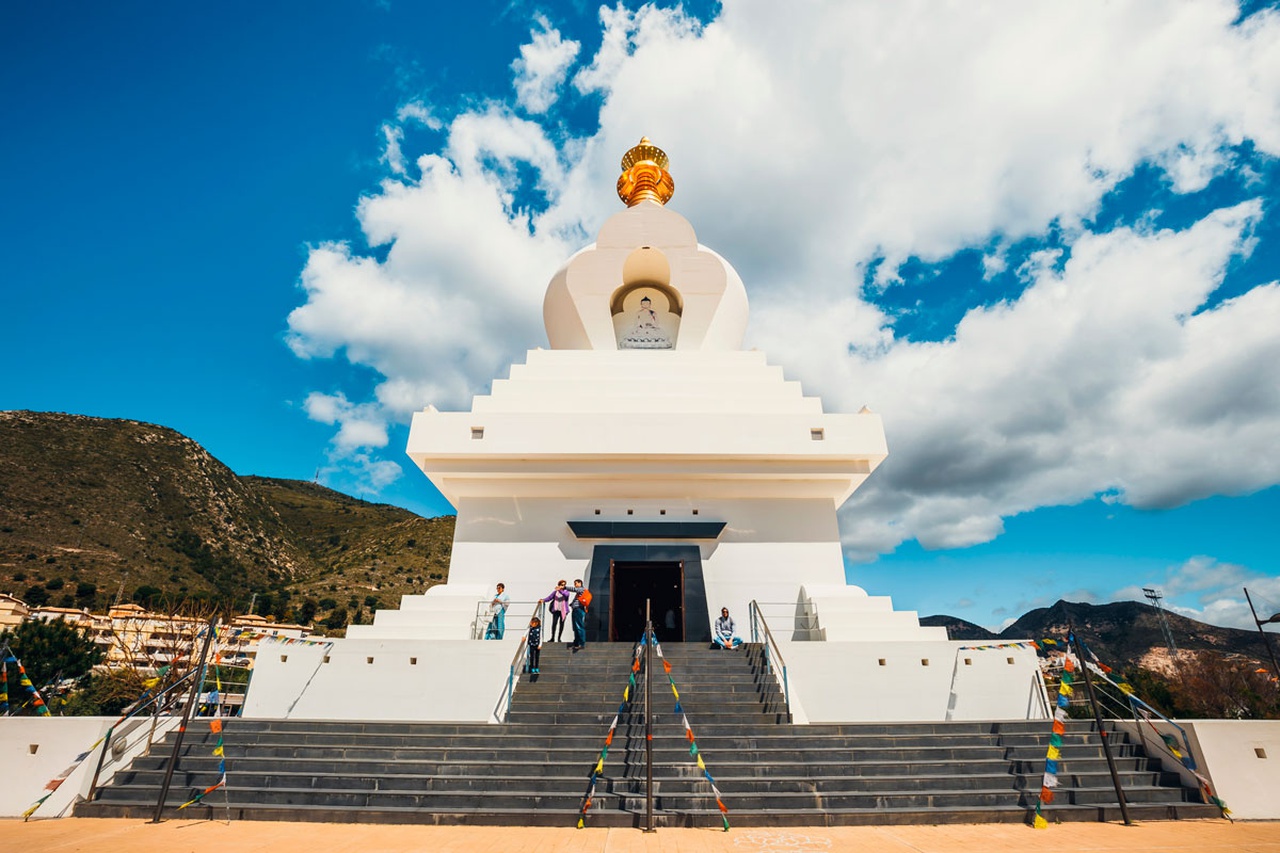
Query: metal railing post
{"points": [[102, 757], [770, 646], [648, 722], [196, 684], [1102, 732]]}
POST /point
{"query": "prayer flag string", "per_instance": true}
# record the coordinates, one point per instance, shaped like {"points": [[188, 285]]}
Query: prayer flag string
{"points": [[1169, 742], [688, 733], [24, 681], [219, 747], [608, 739], [1022, 644], [1054, 753]]}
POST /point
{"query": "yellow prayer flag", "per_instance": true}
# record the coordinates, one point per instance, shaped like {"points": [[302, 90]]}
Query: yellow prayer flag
{"points": [[1040, 823], [1054, 753]]}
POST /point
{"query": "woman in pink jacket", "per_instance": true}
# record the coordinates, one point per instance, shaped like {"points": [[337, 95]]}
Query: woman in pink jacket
{"points": [[559, 598]]}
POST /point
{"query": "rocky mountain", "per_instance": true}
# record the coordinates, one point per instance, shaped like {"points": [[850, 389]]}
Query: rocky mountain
{"points": [[93, 507], [958, 629], [1124, 633]]}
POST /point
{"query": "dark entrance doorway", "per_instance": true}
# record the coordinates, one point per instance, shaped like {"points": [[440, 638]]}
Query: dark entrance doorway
{"points": [[630, 584]]}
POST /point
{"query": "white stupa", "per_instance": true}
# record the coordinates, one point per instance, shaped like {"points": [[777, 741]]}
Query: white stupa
{"points": [[649, 454]]}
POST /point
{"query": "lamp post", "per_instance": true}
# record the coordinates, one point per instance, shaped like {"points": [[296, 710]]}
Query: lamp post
{"points": [[1266, 638], [1154, 596]]}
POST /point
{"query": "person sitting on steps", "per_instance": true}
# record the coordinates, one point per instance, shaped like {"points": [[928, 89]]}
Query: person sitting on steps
{"points": [[722, 632]]}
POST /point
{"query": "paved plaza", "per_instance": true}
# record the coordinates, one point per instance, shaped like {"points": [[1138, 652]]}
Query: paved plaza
{"points": [[179, 836]]}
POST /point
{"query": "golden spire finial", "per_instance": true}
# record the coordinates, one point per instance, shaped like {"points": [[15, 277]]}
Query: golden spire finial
{"points": [[645, 176]]}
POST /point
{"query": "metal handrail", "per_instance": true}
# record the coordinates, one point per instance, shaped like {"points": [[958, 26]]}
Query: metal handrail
{"points": [[140, 706], [518, 659], [1135, 703], [769, 643], [480, 622]]}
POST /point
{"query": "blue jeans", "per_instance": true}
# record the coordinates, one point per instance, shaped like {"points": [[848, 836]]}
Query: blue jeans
{"points": [[497, 627], [579, 627]]}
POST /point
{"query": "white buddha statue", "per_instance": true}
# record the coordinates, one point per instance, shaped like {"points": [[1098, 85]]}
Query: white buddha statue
{"points": [[647, 332]]}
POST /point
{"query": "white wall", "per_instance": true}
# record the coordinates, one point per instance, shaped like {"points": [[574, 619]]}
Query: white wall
{"points": [[34, 750], [452, 680], [1227, 754], [838, 682]]}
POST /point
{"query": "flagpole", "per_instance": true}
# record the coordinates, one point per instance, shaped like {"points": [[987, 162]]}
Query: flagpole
{"points": [[1266, 638], [196, 684], [1102, 732], [648, 722]]}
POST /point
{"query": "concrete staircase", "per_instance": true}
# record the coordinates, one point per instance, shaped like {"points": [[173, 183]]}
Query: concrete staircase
{"points": [[534, 769]]}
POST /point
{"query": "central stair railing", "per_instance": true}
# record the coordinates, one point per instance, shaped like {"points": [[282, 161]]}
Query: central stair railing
{"points": [[517, 664], [773, 660]]}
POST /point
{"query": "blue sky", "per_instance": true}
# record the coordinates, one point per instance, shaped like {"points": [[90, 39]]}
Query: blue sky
{"points": [[1041, 241]]}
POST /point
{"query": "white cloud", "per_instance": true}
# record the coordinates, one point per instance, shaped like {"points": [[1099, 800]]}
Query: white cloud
{"points": [[1211, 591], [542, 67], [360, 425], [417, 112], [1099, 378], [392, 135], [807, 147], [460, 290]]}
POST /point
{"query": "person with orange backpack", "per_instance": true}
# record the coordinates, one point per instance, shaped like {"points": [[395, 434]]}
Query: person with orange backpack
{"points": [[578, 607]]}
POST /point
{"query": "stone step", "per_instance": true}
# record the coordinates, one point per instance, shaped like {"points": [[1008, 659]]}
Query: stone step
{"points": [[534, 769], [533, 796], [494, 815], [460, 779]]}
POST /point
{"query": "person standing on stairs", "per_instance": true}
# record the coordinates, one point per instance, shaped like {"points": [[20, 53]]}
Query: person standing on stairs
{"points": [[498, 614], [534, 643], [578, 608], [559, 600]]}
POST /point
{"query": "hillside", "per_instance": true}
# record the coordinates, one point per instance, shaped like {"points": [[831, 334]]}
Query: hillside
{"points": [[1129, 631], [957, 628], [1123, 633], [90, 507]]}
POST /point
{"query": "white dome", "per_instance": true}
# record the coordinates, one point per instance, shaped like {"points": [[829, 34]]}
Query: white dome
{"points": [[646, 284]]}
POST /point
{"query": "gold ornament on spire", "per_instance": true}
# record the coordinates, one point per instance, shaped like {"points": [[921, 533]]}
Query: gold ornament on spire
{"points": [[645, 176]]}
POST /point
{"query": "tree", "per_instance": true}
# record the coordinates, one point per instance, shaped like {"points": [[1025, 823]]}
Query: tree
{"points": [[148, 596], [336, 620], [307, 611], [105, 693], [50, 652], [36, 596], [1218, 686]]}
